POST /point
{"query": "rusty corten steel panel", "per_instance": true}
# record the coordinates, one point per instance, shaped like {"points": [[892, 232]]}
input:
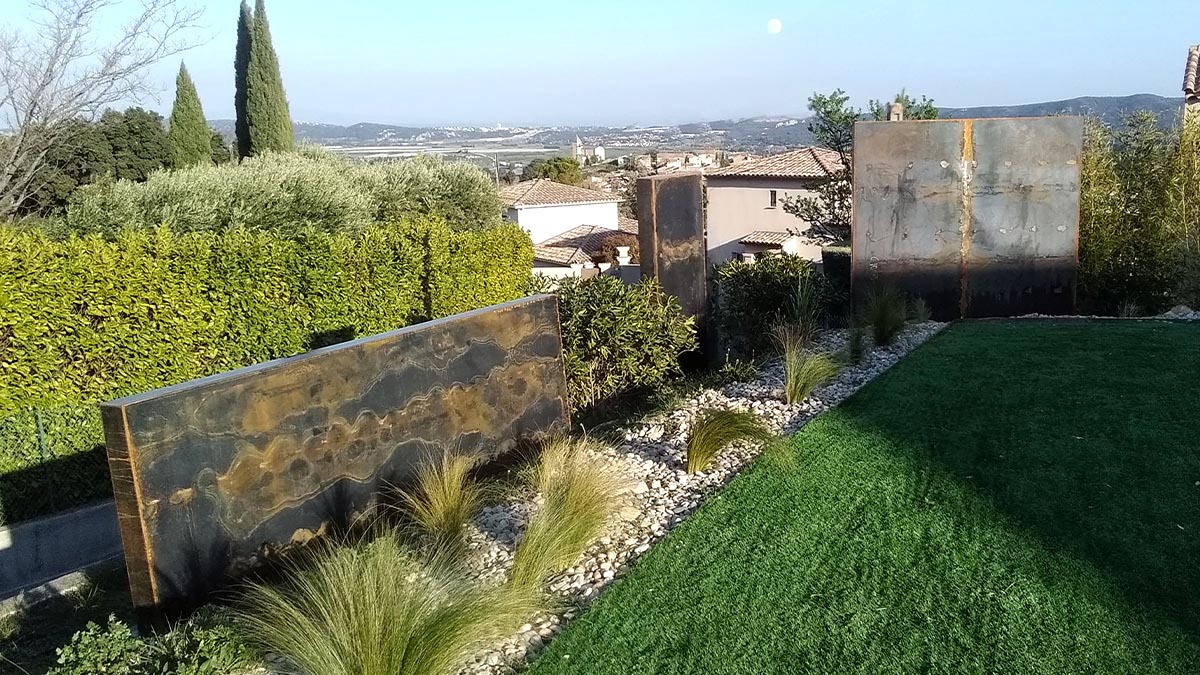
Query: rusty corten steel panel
{"points": [[215, 475], [979, 217], [671, 238]]}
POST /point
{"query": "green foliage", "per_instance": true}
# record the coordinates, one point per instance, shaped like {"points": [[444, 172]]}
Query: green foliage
{"points": [[241, 71], [578, 493], [1183, 210], [205, 645], [832, 123], [913, 109], [189, 137], [885, 309], [219, 151], [86, 319], [713, 431], [444, 499], [803, 311], [918, 310], [855, 348], [618, 337], [287, 191], [267, 115], [608, 249], [1127, 252], [558, 169], [138, 141], [750, 298], [372, 609], [803, 370]]}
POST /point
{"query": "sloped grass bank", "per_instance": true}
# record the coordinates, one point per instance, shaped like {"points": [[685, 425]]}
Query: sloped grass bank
{"points": [[1017, 497]]}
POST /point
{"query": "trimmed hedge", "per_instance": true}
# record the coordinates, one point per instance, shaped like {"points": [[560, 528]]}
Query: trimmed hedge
{"points": [[87, 319], [749, 298]]}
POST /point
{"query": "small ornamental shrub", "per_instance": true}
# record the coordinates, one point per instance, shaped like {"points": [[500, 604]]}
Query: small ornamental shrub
{"points": [[750, 298], [885, 310], [112, 650], [608, 249], [618, 337], [918, 310], [715, 429]]}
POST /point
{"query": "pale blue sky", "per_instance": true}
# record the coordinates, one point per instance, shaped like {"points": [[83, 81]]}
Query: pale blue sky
{"points": [[648, 61]]}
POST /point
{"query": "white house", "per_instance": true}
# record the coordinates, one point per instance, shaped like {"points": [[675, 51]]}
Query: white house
{"points": [[584, 153], [568, 224], [745, 203]]}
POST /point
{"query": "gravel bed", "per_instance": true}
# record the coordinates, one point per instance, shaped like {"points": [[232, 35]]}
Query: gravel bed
{"points": [[660, 493]]}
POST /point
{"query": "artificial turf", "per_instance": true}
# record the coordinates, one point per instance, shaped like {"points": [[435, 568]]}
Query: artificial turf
{"points": [[1014, 497]]}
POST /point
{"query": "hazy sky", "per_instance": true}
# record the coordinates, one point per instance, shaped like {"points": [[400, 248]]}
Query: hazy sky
{"points": [[623, 62]]}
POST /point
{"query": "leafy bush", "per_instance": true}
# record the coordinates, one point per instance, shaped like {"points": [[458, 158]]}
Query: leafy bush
{"points": [[803, 370], [86, 319], [885, 310], [201, 646], [578, 495], [715, 429], [289, 191], [608, 248], [445, 498], [1127, 252], [1183, 210], [750, 298], [618, 337], [372, 609]]}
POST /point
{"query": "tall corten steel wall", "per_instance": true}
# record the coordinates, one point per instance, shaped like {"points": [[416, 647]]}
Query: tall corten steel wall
{"points": [[671, 238], [978, 217], [212, 476]]}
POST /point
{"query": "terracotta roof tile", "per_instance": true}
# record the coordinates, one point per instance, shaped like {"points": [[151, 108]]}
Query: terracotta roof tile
{"points": [[810, 162], [577, 245], [766, 238], [626, 224], [545, 192], [1191, 74]]}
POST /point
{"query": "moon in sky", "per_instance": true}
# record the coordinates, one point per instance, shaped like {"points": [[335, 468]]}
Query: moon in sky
{"points": [[774, 26]]}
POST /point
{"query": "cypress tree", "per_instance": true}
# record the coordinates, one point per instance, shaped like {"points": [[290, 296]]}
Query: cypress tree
{"points": [[266, 105], [241, 75], [188, 136]]}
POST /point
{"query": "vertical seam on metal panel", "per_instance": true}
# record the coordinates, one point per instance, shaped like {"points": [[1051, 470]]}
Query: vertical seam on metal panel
{"points": [[968, 160], [137, 495]]}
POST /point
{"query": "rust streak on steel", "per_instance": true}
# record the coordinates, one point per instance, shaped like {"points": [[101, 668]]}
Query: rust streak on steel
{"points": [[968, 160]]}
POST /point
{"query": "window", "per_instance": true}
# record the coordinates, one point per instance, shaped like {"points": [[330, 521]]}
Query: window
{"points": [[773, 199]]}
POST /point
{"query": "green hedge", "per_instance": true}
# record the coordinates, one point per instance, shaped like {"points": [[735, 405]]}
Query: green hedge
{"points": [[749, 298], [87, 319]]}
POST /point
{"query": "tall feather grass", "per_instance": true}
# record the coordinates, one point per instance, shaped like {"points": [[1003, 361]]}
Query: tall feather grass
{"points": [[444, 499], [885, 309], [715, 429], [579, 493], [804, 371], [373, 609], [803, 310]]}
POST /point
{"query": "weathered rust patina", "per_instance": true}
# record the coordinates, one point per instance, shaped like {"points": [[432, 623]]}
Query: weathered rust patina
{"points": [[671, 238], [213, 475]]}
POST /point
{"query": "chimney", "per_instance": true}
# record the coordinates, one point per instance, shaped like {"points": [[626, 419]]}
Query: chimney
{"points": [[895, 112]]}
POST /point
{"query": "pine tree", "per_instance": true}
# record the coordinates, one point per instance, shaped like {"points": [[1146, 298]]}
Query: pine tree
{"points": [[266, 105], [189, 136], [241, 75]]}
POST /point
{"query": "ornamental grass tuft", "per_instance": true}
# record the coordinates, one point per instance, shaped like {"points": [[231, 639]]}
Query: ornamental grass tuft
{"points": [[715, 429], [444, 499]]}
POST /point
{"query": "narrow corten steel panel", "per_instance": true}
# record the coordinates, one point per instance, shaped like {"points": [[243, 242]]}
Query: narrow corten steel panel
{"points": [[979, 217], [212, 476], [671, 238]]}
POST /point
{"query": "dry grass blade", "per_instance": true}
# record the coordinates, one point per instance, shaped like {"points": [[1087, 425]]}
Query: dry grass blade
{"points": [[445, 498], [579, 493], [715, 429], [372, 609]]}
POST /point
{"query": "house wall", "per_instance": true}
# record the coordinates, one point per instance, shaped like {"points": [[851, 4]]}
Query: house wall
{"points": [[544, 222], [739, 205]]}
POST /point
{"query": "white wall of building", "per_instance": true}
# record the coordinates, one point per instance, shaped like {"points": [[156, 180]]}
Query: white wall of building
{"points": [[738, 206], [544, 222]]}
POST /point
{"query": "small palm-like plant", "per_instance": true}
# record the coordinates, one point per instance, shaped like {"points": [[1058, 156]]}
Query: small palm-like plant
{"points": [[444, 499], [579, 493], [884, 308], [715, 429], [373, 609]]}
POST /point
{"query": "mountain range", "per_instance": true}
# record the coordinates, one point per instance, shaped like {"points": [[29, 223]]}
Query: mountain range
{"points": [[754, 133]]}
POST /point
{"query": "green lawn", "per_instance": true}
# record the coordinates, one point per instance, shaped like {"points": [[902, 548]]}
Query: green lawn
{"points": [[1014, 497]]}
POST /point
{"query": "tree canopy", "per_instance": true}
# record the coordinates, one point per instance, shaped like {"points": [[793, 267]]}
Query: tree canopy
{"points": [[558, 169], [189, 136], [267, 115]]}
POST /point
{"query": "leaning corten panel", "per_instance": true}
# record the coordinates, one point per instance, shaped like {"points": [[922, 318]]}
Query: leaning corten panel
{"points": [[215, 475]]}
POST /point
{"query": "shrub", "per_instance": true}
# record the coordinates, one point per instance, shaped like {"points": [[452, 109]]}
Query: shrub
{"points": [[444, 499], [288, 191], [715, 429], [608, 248], [855, 349], [618, 337], [1183, 210], [578, 495], [372, 609], [87, 319], [112, 650], [201, 646], [752, 297], [884, 309], [918, 310], [803, 371]]}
